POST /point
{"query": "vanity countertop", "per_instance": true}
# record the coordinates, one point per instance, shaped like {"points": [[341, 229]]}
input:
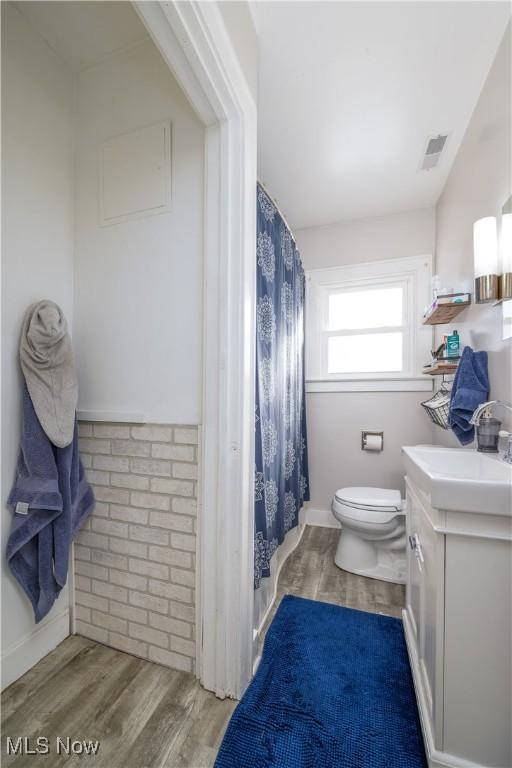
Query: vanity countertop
{"points": [[461, 479]]}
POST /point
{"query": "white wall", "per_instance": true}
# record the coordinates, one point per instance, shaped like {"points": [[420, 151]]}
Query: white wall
{"points": [[335, 420], [354, 242], [133, 290], [479, 185], [138, 284], [37, 262]]}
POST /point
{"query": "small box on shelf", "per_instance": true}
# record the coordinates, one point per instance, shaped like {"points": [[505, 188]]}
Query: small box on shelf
{"points": [[445, 308]]}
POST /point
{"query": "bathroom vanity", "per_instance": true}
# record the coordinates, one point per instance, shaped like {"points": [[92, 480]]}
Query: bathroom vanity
{"points": [[457, 619]]}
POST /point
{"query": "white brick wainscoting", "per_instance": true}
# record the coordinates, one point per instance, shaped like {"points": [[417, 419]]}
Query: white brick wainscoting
{"points": [[135, 557]]}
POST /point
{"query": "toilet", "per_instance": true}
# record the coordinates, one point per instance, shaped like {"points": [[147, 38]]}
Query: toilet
{"points": [[372, 542]]}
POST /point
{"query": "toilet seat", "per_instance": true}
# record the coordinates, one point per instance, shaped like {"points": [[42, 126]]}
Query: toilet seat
{"points": [[376, 506], [370, 498]]}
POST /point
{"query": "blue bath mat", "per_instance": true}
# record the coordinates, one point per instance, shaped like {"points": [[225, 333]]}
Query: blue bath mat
{"points": [[333, 690]]}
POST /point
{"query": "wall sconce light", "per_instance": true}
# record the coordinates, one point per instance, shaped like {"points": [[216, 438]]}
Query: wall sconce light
{"points": [[505, 280], [485, 251]]}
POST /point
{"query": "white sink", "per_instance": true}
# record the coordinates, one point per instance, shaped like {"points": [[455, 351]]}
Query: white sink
{"points": [[461, 479]]}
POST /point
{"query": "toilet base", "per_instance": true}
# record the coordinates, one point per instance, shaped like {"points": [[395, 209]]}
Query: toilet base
{"points": [[382, 560]]}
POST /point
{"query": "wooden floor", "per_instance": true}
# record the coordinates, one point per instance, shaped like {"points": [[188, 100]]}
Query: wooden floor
{"points": [[145, 715], [310, 572]]}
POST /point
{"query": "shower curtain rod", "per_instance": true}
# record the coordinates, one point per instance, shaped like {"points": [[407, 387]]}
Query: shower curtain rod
{"points": [[276, 205]]}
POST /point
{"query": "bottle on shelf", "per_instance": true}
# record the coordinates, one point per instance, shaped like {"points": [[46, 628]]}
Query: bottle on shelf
{"points": [[453, 345]]}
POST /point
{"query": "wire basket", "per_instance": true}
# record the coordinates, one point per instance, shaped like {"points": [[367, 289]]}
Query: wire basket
{"points": [[438, 406]]}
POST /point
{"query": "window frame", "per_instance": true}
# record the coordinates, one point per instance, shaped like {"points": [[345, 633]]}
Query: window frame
{"points": [[413, 274]]}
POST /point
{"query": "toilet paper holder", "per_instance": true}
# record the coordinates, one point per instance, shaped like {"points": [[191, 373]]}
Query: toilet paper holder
{"points": [[364, 440]]}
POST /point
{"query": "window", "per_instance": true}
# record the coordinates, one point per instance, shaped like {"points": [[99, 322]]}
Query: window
{"points": [[365, 329], [363, 322]]}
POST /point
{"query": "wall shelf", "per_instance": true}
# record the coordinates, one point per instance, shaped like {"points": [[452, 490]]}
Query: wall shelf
{"points": [[440, 370], [439, 314]]}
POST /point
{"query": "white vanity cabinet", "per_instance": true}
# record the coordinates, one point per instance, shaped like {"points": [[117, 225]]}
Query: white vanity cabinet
{"points": [[457, 623]]}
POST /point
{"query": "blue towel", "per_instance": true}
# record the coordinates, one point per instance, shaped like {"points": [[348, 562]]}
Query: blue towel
{"points": [[51, 499], [470, 389]]}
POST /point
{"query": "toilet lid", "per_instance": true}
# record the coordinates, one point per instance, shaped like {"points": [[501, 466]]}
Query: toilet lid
{"points": [[378, 499]]}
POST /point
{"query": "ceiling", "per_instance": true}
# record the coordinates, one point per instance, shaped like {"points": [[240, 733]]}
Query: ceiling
{"points": [[350, 91], [83, 33]]}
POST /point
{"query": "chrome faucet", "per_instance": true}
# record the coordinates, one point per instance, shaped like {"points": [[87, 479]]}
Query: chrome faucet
{"points": [[475, 420]]}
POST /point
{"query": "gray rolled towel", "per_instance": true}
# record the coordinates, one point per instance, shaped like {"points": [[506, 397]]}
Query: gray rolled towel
{"points": [[46, 359]]}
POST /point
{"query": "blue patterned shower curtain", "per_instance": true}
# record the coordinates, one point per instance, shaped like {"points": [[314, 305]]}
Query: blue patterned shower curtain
{"points": [[281, 479]]}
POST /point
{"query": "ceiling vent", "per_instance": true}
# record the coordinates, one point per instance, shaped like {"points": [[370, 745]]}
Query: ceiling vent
{"points": [[433, 151]]}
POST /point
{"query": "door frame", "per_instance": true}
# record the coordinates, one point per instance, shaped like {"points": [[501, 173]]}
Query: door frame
{"points": [[195, 44]]}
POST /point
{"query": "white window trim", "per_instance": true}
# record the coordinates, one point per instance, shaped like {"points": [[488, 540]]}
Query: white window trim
{"points": [[416, 273]]}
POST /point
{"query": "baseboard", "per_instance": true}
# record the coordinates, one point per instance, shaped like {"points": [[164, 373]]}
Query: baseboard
{"points": [[286, 547], [435, 758], [32, 647], [320, 517], [257, 655]]}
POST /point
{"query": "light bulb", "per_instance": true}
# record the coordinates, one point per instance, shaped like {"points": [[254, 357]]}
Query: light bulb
{"points": [[485, 246], [506, 242]]}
